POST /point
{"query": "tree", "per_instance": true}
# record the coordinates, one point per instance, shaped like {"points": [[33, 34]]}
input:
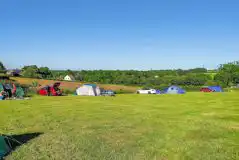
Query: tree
{"points": [[236, 78], [30, 71], [70, 72], [30, 66], [2, 67], [228, 73], [79, 77], [196, 79], [198, 70], [44, 72]]}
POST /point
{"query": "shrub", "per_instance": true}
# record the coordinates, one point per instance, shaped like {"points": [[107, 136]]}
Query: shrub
{"points": [[231, 90], [192, 88], [211, 83], [28, 89], [35, 84], [68, 91], [122, 91]]}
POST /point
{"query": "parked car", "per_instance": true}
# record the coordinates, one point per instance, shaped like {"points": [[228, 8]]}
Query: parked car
{"points": [[147, 91]]}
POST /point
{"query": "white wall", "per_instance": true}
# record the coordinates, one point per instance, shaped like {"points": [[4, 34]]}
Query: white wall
{"points": [[67, 78]]}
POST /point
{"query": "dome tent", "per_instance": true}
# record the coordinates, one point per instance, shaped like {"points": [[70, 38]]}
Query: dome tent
{"points": [[88, 90], [211, 89], [215, 88], [174, 90], [158, 91]]}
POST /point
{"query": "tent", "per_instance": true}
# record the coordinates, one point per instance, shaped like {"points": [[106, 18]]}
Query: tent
{"points": [[12, 90], [7, 144], [158, 91], [19, 92], [215, 88], [174, 90], [211, 89], [88, 90], [4, 147], [53, 90]]}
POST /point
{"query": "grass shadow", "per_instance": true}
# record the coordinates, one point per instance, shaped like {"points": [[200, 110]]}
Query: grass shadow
{"points": [[15, 141]]}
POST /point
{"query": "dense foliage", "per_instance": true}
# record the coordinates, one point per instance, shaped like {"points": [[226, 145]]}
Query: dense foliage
{"points": [[225, 75], [2, 68]]}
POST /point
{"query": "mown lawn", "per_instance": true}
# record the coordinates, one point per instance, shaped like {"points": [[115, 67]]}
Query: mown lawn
{"points": [[191, 126]]}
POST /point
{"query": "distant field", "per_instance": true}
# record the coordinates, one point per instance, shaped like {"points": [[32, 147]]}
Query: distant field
{"points": [[163, 127], [72, 85], [212, 74]]}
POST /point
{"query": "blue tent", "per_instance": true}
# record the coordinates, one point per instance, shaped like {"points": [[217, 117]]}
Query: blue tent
{"points": [[215, 88], [158, 91], [174, 90]]}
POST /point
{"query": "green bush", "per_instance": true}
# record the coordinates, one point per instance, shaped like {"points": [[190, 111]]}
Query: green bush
{"points": [[68, 91], [35, 84], [192, 88], [211, 83], [122, 91], [28, 89], [231, 90]]}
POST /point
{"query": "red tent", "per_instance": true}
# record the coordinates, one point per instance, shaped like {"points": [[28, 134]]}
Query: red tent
{"points": [[53, 90]]}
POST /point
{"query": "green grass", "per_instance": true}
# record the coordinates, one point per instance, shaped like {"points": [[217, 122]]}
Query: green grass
{"points": [[191, 126]]}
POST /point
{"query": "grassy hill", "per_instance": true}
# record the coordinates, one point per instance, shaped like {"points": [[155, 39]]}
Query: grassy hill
{"points": [[164, 127], [72, 85]]}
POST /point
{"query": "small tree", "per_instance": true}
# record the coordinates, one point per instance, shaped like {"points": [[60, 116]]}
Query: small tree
{"points": [[2, 68], [228, 73], [35, 84]]}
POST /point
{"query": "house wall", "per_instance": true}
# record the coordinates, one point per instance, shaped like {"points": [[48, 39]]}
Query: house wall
{"points": [[67, 78]]}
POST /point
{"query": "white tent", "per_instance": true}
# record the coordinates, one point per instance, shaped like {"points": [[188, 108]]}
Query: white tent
{"points": [[88, 90]]}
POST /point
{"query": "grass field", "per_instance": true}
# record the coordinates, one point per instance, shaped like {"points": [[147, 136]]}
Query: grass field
{"points": [[164, 127]]}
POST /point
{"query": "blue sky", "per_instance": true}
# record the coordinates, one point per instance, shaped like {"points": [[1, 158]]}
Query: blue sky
{"points": [[119, 34]]}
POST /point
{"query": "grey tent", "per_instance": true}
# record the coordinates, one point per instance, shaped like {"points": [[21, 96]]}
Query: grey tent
{"points": [[88, 90]]}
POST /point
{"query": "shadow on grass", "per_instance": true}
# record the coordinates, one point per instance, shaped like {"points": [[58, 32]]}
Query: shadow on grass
{"points": [[15, 141]]}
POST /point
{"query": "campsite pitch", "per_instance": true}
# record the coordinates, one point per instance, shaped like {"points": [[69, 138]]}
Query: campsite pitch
{"points": [[191, 126]]}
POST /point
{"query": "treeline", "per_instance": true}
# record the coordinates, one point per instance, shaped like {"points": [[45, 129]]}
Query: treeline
{"points": [[226, 75]]}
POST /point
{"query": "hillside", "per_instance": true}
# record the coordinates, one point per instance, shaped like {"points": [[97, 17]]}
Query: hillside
{"points": [[72, 85]]}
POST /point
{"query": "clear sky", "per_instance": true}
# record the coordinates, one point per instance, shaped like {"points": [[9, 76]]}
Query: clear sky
{"points": [[119, 34]]}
